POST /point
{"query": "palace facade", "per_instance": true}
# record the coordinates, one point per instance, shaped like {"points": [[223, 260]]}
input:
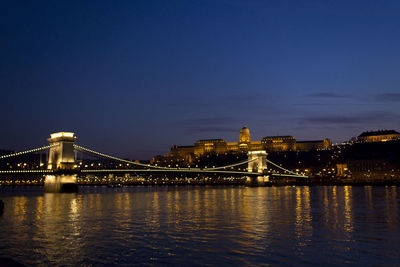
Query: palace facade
{"points": [[269, 144], [379, 136]]}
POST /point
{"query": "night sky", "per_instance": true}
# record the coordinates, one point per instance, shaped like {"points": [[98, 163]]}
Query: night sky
{"points": [[132, 78]]}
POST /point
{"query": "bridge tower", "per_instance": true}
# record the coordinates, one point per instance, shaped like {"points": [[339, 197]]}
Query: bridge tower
{"points": [[61, 160], [61, 157], [257, 163]]}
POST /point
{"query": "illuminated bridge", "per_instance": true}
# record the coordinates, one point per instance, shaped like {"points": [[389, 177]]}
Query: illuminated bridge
{"points": [[61, 170]]}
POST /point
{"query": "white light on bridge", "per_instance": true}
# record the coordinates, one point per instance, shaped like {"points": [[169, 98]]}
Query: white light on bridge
{"points": [[62, 134]]}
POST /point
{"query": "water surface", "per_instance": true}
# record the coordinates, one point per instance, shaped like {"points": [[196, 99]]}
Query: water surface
{"points": [[198, 225]]}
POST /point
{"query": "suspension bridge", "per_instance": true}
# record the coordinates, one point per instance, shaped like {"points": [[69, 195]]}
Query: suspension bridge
{"points": [[61, 169]]}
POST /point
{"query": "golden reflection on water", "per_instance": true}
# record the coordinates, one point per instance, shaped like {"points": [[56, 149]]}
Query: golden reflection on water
{"points": [[39, 207], [299, 215], [303, 228], [153, 212], [325, 206], [248, 218], [348, 209], [338, 208], [74, 214], [20, 207], [334, 206], [59, 226]]}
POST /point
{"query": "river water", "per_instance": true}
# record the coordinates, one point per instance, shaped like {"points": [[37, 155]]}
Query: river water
{"points": [[202, 225]]}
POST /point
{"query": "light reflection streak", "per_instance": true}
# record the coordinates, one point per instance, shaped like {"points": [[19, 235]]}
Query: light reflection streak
{"points": [[348, 212], [39, 207], [303, 228], [325, 206], [20, 208], [155, 214], [334, 207], [254, 220]]}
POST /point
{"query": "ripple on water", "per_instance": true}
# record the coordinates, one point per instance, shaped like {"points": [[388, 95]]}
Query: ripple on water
{"points": [[202, 226]]}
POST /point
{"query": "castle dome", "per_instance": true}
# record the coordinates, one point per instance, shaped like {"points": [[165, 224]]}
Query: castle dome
{"points": [[244, 136]]}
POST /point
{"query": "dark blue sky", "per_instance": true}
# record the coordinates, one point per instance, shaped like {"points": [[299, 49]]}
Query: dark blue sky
{"points": [[132, 78]]}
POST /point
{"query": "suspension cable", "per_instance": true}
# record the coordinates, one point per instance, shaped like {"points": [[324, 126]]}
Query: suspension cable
{"points": [[119, 159], [233, 165], [276, 165], [83, 149], [156, 167], [28, 151]]}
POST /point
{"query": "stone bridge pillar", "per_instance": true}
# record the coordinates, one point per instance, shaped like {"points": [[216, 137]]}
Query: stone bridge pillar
{"points": [[61, 160], [258, 161], [257, 164], [61, 157]]}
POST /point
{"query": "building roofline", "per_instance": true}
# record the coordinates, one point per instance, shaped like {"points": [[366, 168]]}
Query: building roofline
{"points": [[380, 132]]}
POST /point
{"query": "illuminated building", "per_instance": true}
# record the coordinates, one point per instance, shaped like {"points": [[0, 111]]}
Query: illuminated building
{"points": [[210, 145], [289, 143], [279, 143], [217, 146], [313, 145], [269, 144], [245, 144], [379, 136], [341, 169], [244, 135]]}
